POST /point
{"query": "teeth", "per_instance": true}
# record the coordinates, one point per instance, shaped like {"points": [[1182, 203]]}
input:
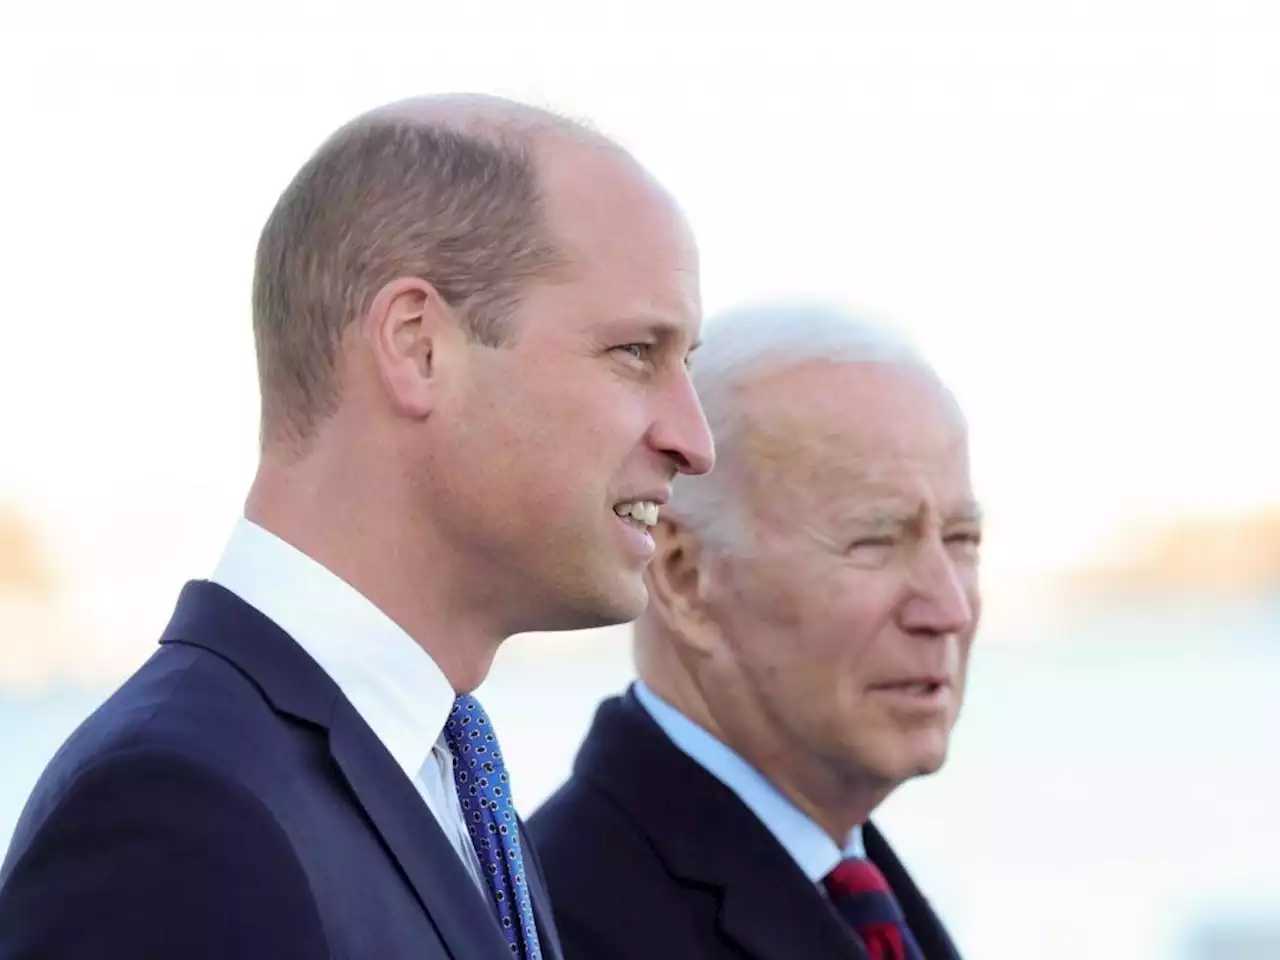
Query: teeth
{"points": [[642, 511]]}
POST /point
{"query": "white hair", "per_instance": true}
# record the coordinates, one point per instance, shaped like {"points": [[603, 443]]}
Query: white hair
{"points": [[748, 342]]}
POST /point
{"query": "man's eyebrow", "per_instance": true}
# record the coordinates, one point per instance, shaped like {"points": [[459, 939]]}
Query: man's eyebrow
{"points": [[891, 516], [879, 517], [661, 329], [969, 513]]}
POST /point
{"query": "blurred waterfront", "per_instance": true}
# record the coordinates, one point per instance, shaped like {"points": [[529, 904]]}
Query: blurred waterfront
{"points": [[1128, 775]]}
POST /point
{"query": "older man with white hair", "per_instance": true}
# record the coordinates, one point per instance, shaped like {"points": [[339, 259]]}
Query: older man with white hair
{"points": [[812, 605]]}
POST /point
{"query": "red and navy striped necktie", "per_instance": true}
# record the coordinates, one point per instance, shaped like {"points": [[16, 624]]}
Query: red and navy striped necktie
{"points": [[861, 895]]}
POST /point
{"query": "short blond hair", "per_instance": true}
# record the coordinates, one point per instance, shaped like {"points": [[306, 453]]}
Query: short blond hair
{"points": [[389, 196]]}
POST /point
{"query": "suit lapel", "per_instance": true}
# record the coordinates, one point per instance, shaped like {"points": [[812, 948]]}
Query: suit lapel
{"points": [[783, 919], [410, 832], [211, 617], [548, 936], [707, 837]]}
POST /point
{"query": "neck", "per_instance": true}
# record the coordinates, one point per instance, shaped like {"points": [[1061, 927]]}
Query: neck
{"points": [[836, 803], [354, 530]]}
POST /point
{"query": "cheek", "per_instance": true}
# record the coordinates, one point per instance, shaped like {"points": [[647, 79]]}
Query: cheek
{"points": [[821, 623], [847, 655], [506, 458], [853, 646], [852, 613], [823, 656], [591, 418], [757, 625], [557, 413]]}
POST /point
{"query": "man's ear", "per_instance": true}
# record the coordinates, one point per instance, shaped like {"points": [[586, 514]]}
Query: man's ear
{"points": [[412, 337], [677, 580]]}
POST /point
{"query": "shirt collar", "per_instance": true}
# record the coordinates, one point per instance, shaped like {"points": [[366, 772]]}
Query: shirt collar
{"points": [[809, 845], [395, 686]]}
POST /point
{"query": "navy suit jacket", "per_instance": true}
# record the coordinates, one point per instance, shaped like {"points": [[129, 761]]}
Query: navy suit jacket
{"points": [[228, 802], [650, 857]]}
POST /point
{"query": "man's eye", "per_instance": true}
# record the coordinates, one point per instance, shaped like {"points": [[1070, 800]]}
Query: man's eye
{"points": [[967, 541], [871, 543], [640, 351]]}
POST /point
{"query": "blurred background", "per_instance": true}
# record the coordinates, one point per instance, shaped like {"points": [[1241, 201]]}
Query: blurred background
{"points": [[1075, 207]]}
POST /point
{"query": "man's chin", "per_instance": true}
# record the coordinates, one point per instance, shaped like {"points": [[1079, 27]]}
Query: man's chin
{"points": [[610, 606], [927, 762], [914, 760], [625, 603]]}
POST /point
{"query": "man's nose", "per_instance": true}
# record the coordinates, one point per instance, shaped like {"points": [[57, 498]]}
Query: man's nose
{"points": [[941, 595], [680, 429]]}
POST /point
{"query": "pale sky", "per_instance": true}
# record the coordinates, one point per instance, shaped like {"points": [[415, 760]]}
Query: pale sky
{"points": [[1075, 207]]}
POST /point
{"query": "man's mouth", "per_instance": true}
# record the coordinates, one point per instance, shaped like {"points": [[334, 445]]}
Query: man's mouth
{"points": [[922, 690], [640, 513], [922, 687]]}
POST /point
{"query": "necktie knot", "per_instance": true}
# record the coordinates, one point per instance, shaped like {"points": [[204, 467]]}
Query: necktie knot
{"points": [[855, 877], [478, 768], [864, 900], [480, 777]]}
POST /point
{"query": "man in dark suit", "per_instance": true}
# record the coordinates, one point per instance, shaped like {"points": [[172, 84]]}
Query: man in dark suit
{"points": [[472, 321], [812, 606]]}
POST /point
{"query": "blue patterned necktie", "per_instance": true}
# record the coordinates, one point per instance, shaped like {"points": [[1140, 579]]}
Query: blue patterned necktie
{"points": [[485, 795], [862, 897]]}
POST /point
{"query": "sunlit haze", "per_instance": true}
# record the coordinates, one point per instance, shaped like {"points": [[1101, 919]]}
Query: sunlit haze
{"points": [[1075, 214]]}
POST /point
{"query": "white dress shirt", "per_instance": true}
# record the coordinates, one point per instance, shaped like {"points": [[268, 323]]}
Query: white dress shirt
{"points": [[809, 845], [392, 682]]}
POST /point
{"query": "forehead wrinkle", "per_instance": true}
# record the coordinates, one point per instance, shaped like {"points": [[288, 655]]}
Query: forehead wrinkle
{"points": [[787, 460], [894, 508], [790, 425], [793, 462], [822, 438], [786, 437]]}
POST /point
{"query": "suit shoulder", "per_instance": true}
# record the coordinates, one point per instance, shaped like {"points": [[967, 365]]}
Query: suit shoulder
{"points": [[582, 835], [578, 810], [157, 853], [130, 773], [613, 896], [183, 700], [183, 720]]}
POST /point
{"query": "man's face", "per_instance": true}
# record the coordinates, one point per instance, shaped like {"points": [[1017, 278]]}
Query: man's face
{"points": [[589, 409], [844, 621]]}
